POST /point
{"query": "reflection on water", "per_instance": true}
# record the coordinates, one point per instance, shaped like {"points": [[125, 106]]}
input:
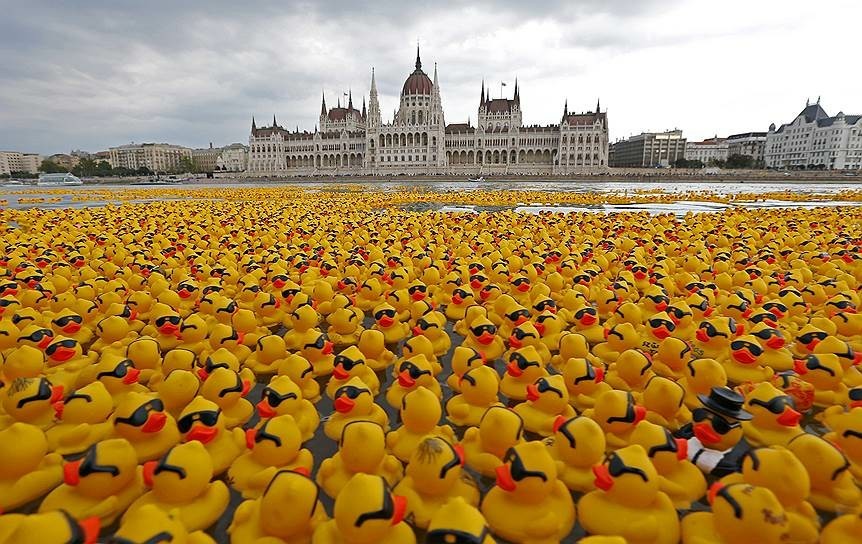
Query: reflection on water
{"points": [[76, 197]]}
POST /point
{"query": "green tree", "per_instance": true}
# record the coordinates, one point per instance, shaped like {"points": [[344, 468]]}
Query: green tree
{"points": [[51, 167], [186, 165], [740, 161]]}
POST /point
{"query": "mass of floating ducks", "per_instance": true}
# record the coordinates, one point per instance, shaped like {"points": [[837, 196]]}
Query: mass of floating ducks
{"points": [[497, 376]]}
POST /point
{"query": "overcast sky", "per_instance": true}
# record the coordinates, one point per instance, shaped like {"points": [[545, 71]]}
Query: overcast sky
{"points": [[94, 74]]}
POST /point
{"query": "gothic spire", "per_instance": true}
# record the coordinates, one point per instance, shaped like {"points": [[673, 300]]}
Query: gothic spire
{"points": [[418, 60], [598, 105], [435, 75], [373, 83], [566, 109], [253, 125], [338, 103], [349, 99], [517, 95], [482, 95], [363, 107], [274, 124], [322, 103]]}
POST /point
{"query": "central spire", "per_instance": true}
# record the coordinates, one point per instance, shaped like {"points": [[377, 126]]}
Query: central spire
{"points": [[418, 60]]}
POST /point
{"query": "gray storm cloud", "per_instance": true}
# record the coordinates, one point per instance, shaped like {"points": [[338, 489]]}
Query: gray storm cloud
{"points": [[100, 73]]}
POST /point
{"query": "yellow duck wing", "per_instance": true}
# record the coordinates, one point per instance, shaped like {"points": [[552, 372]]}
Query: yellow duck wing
{"points": [[260, 479], [103, 508]]}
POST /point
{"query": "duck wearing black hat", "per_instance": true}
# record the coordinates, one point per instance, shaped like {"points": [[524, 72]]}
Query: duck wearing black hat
{"points": [[715, 438]]}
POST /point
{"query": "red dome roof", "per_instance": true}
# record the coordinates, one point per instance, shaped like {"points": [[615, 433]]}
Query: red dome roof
{"points": [[418, 82]]}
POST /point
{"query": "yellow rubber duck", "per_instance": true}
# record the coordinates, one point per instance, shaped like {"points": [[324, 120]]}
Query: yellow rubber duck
{"points": [[419, 345], [288, 510], [417, 371], [420, 414], [372, 344], [83, 419], [180, 484], [361, 449], [631, 371], [628, 488], [678, 477], [525, 366], [778, 470], [713, 337], [584, 382], [432, 478], [775, 421], [617, 415], [547, 399], [28, 470], [479, 390], [842, 529], [586, 322], [224, 337], [318, 351], [269, 353], [301, 372], [825, 373], [113, 334], [741, 513], [274, 446], [22, 362], [345, 326], [744, 363], [464, 359], [485, 446], [57, 527], [164, 326], [69, 324], [432, 325], [671, 357], [846, 431], [832, 485], [142, 420], [578, 444], [349, 364], [618, 339], [300, 322], [146, 356], [483, 337], [366, 512], [151, 524], [529, 503], [664, 401], [228, 390], [456, 307], [66, 361], [353, 402], [117, 373], [202, 420], [101, 484], [701, 375], [526, 334], [458, 519], [775, 354], [387, 321], [30, 400], [683, 318]]}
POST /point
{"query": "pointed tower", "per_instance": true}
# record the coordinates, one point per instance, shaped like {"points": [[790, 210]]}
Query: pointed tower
{"points": [[253, 125], [598, 105], [274, 123], [349, 99], [322, 103], [338, 103], [418, 60], [517, 97], [364, 116], [373, 104], [436, 103], [482, 95], [566, 110]]}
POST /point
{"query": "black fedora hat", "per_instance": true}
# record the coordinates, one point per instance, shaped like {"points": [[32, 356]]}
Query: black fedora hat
{"points": [[725, 402]]}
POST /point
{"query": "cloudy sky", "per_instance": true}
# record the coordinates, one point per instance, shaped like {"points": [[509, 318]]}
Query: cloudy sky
{"points": [[91, 74]]}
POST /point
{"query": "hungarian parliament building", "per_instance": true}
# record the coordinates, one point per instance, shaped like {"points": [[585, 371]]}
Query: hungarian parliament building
{"points": [[417, 141]]}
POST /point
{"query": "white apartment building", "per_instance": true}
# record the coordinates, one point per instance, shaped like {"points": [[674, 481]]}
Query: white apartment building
{"points": [[751, 144], [158, 158], [15, 161], [707, 151], [816, 140], [233, 158]]}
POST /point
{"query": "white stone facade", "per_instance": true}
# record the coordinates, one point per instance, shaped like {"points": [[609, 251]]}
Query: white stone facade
{"points": [[419, 142], [816, 140], [708, 151], [233, 158], [15, 161], [752, 144], [159, 158]]}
